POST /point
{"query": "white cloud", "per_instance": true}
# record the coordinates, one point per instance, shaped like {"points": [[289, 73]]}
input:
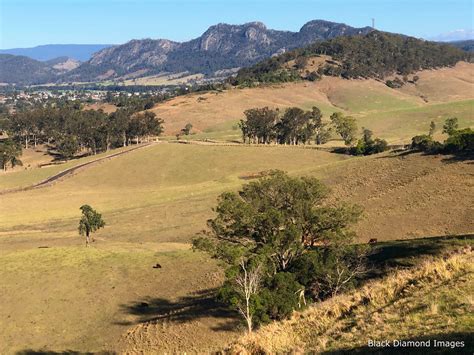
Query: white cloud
{"points": [[456, 35]]}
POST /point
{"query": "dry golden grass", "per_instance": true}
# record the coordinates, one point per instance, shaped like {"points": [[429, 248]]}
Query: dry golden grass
{"points": [[380, 310], [387, 111], [443, 85], [106, 107], [205, 110]]}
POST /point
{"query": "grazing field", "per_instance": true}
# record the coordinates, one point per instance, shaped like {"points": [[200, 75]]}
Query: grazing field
{"points": [[31, 174], [393, 114], [58, 295]]}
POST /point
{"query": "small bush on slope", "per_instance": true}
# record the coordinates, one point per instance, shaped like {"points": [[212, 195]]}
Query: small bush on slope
{"points": [[433, 299]]}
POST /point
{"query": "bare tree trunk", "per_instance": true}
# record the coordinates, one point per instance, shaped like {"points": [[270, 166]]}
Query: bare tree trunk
{"points": [[248, 285]]}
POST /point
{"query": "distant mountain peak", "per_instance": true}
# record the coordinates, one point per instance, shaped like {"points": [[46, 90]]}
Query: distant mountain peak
{"points": [[221, 47]]}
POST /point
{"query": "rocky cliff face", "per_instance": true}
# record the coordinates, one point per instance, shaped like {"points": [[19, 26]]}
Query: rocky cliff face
{"points": [[221, 47]]}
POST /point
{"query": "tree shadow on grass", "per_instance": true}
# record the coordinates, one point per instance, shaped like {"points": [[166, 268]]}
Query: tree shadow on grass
{"points": [[386, 256], [200, 304], [423, 347], [448, 158], [455, 158]]}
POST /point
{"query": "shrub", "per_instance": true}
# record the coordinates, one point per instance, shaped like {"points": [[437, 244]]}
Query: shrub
{"points": [[460, 141], [368, 146], [425, 143], [313, 76], [395, 83]]}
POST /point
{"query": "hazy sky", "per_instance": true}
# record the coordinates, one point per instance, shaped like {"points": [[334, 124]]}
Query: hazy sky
{"points": [[26, 23]]}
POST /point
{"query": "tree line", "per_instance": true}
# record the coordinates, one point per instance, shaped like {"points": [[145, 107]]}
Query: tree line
{"points": [[459, 141], [296, 126], [69, 130]]}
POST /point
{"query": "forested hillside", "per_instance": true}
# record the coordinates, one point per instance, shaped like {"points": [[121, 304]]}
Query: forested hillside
{"points": [[24, 70], [375, 55]]}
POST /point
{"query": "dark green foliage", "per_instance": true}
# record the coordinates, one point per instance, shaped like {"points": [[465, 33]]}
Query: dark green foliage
{"points": [[10, 152], [278, 298], [326, 270], [68, 129], [450, 125], [90, 222], [295, 126], [313, 76], [187, 129], [374, 55], [259, 126], [368, 146], [67, 146], [425, 143], [266, 230], [395, 84], [460, 141]]}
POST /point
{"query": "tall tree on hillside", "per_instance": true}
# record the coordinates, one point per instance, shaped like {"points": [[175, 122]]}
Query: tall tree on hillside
{"points": [[266, 232], [279, 216], [22, 126], [450, 125], [90, 221], [432, 128], [10, 152], [260, 124], [292, 129], [319, 128], [153, 124], [345, 126], [118, 126]]}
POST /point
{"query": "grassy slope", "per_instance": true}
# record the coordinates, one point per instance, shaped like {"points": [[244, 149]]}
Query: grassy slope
{"points": [[433, 301], [395, 115], [27, 177], [154, 200]]}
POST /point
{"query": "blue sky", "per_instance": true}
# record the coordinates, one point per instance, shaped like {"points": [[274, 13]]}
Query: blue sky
{"points": [[26, 23]]}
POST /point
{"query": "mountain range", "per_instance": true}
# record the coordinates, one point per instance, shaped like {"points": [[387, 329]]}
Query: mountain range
{"points": [[220, 48], [218, 52], [79, 52]]}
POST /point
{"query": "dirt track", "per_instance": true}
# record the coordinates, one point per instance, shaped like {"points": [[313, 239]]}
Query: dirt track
{"points": [[70, 171]]}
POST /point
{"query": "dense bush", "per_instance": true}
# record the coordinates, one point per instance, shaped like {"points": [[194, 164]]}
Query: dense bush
{"points": [[460, 141], [368, 146]]}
